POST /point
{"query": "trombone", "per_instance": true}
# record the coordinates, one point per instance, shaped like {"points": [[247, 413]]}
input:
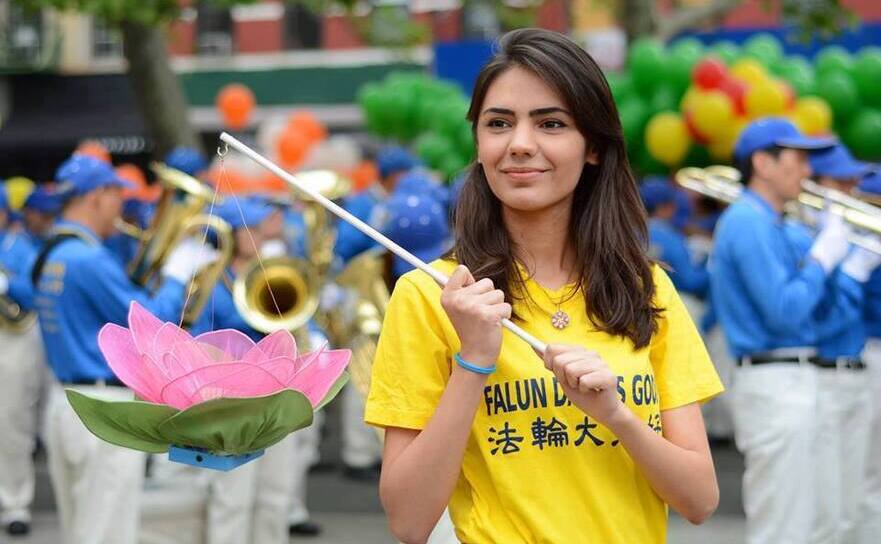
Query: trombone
{"points": [[723, 183], [179, 214]]}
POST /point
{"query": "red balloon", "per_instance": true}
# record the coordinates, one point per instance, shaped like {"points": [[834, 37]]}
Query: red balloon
{"points": [[235, 102], [735, 89], [709, 73], [692, 129]]}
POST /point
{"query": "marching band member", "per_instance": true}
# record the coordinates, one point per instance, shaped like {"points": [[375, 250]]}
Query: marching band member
{"points": [[602, 433], [79, 287], [39, 211], [869, 524], [767, 282], [844, 404], [21, 369], [186, 159]]}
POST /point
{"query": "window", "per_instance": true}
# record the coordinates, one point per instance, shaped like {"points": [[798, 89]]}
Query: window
{"points": [[24, 31], [214, 27], [302, 27], [106, 42]]}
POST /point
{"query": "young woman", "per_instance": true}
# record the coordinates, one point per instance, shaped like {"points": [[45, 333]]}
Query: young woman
{"points": [[592, 440]]}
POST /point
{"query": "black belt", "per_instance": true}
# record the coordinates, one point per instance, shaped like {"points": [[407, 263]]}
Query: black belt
{"points": [[113, 382], [852, 363]]}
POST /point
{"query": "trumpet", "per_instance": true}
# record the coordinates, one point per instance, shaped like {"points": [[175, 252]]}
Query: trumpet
{"points": [[723, 183], [179, 215]]}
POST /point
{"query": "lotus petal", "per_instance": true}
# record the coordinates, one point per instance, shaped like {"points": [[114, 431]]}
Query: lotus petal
{"points": [[235, 344], [238, 426], [220, 380], [280, 343], [130, 424], [317, 378], [135, 370], [334, 390], [283, 368], [143, 326], [168, 336]]}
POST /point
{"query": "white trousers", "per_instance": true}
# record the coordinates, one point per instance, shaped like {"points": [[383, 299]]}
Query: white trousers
{"points": [[304, 454], [251, 503], [717, 413], [870, 509], [840, 448], [97, 485], [361, 446], [22, 369], [774, 424]]}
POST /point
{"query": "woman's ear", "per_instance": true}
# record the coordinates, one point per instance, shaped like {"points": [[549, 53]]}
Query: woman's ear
{"points": [[591, 157]]}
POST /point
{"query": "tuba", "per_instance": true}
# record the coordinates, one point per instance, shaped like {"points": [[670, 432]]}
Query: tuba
{"points": [[179, 214], [723, 183], [277, 294], [319, 226]]}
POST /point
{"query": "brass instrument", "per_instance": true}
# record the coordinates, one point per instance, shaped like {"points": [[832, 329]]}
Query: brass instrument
{"points": [[723, 183], [14, 318], [277, 294], [320, 232], [179, 214]]}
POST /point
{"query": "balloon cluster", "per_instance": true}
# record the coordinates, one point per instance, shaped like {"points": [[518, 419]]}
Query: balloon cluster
{"points": [[416, 109], [687, 103]]}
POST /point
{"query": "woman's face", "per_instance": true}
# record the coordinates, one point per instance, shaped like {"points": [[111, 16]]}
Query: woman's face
{"points": [[527, 142]]}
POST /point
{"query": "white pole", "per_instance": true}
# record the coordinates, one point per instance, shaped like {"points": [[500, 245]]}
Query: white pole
{"points": [[536, 344]]}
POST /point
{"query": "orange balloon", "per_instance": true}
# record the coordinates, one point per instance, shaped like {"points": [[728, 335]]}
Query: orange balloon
{"points": [[235, 103], [363, 175], [93, 148], [306, 123], [292, 146]]}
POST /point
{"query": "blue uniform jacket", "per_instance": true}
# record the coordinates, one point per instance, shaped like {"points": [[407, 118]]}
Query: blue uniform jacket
{"points": [[765, 289], [17, 255], [366, 206], [669, 246], [83, 287]]}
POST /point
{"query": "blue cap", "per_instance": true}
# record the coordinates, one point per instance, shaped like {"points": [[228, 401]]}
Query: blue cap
{"points": [[82, 174], [655, 192], [44, 201], [243, 212], [394, 159], [871, 184], [186, 159], [768, 132], [838, 163], [419, 182], [419, 224]]}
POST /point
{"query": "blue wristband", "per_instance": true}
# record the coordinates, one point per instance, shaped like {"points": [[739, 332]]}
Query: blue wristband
{"points": [[473, 368]]}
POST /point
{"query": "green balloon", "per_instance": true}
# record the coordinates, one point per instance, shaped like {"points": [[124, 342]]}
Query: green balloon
{"points": [[648, 65], [867, 76], [452, 165], [725, 50], [841, 93], [621, 84], [763, 47], [465, 141], [863, 135], [833, 58], [684, 54], [698, 155], [797, 71], [634, 115], [450, 118], [433, 148], [401, 108], [644, 163], [373, 102], [666, 98]]}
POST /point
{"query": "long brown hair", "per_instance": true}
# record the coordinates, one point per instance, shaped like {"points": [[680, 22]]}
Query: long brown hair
{"points": [[608, 223]]}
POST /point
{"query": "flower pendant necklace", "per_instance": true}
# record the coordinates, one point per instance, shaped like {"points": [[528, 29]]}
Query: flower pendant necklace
{"points": [[559, 319]]}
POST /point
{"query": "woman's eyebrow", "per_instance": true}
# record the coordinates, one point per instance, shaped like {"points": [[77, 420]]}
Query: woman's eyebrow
{"points": [[533, 113]]}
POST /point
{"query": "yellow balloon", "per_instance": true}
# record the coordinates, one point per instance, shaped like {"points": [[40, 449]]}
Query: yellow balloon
{"points": [[750, 71], [765, 98], [687, 102], [723, 148], [17, 190], [711, 113], [667, 138], [812, 115]]}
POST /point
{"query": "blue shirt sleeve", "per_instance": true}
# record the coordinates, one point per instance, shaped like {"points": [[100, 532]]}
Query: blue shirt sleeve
{"points": [[351, 241], [785, 300], [686, 275], [112, 292], [19, 261]]}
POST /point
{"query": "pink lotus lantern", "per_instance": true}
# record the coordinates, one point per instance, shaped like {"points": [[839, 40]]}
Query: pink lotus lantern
{"points": [[217, 399]]}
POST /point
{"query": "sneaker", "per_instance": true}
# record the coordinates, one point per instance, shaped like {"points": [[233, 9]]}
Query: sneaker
{"points": [[304, 528], [18, 528]]}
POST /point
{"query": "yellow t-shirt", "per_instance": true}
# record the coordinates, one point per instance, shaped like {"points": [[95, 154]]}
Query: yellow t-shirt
{"points": [[536, 468]]}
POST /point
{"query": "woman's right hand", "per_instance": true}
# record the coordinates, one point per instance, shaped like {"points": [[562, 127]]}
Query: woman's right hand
{"points": [[476, 310]]}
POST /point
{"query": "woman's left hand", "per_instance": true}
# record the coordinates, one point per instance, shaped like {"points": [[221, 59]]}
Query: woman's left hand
{"points": [[586, 380]]}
